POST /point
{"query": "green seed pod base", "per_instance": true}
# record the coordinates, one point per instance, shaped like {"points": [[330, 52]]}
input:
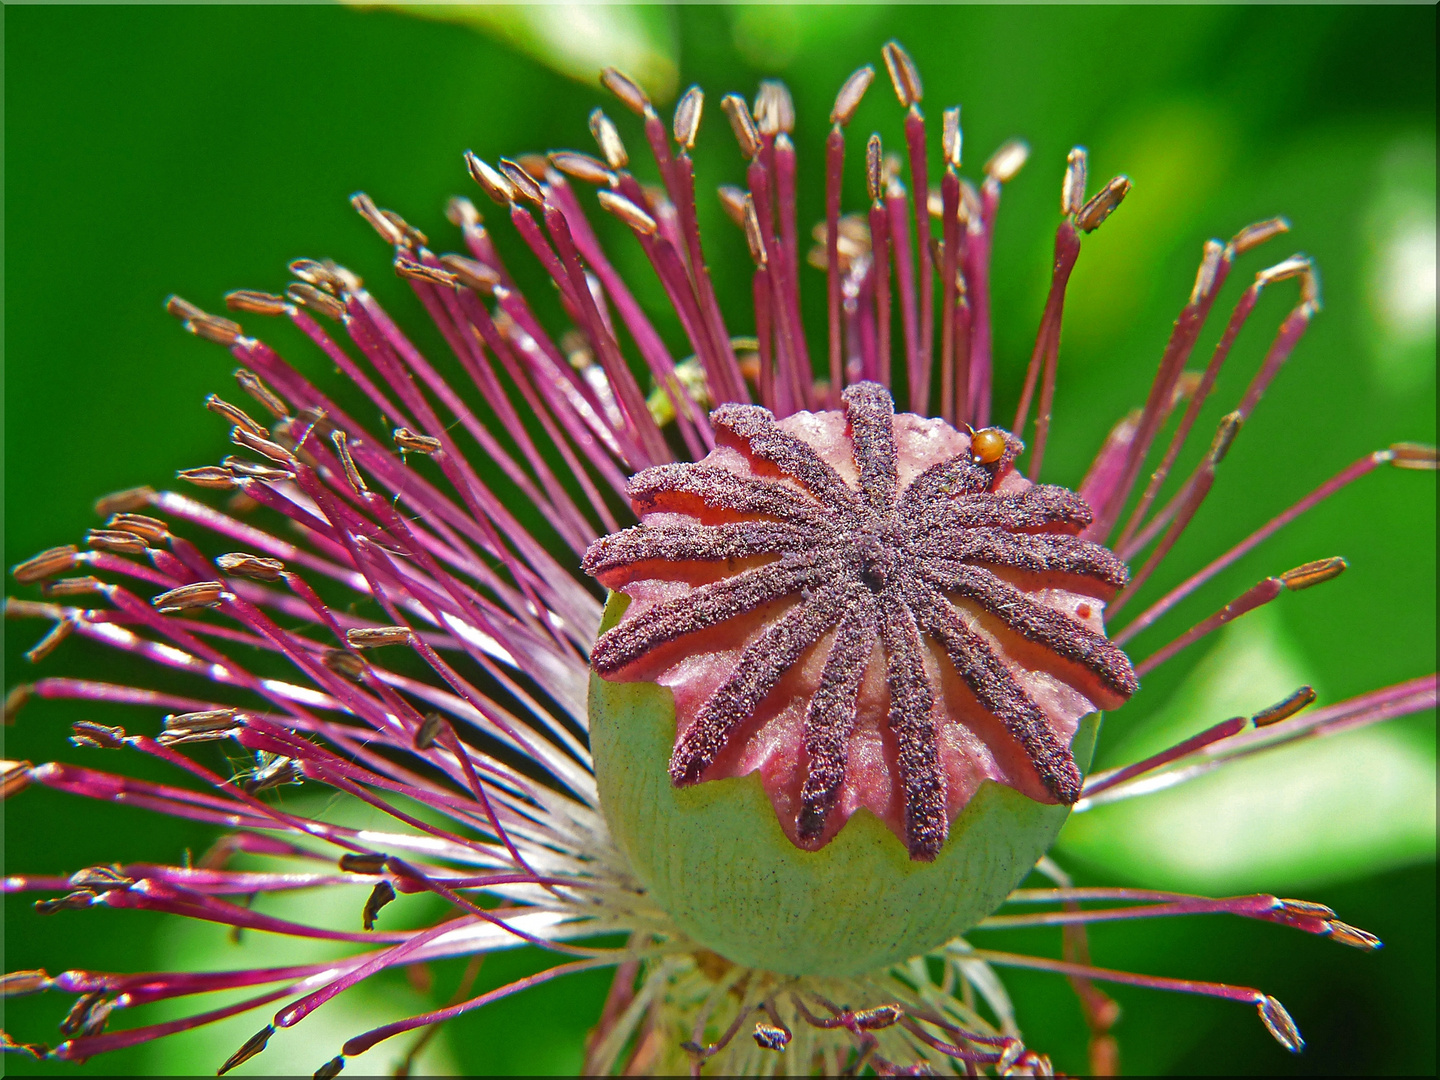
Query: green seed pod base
{"points": [[714, 856]]}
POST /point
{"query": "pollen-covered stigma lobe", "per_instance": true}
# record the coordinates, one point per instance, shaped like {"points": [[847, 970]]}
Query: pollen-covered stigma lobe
{"points": [[867, 610]]}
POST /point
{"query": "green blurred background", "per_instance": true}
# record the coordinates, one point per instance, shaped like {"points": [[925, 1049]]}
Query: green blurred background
{"points": [[196, 150]]}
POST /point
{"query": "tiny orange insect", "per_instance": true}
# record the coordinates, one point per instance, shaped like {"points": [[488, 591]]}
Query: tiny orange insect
{"points": [[987, 445]]}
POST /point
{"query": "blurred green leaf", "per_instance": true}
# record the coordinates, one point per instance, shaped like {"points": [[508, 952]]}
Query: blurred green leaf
{"points": [[577, 40]]}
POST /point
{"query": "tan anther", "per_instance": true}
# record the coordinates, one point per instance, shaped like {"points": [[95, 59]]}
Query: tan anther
{"points": [[136, 498], [255, 567], [199, 594], [253, 1046], [1310, 289], [848, 99], [1294, 266], [346, 280], [376, 637], [55, 560], [341, 442], [903, 74], [202, 722], [627, 212], [607, 137], [51, 641], [1008, 160], [686, 124], [262, 446], [1409, 455], [732, 201], [382, 894], [151, 530], [308, 296], [491, 182], [408, 268], [366, 208], [875, 169], [353, 862], [254, 302], [20, 983], [209, 476], [1252, 236], [201, 322], [461, 213], [182, 309], [774, 108], [522, 182], [429, 730], [627, 90], [1209, 268], [1278, 1022], [32, 609], [753, 234], [252, 470], [471, 272], [100, 736], [100, 879], [253, 385], [881, 1016], [345, 664], [1225, 433], [420, 444], [951, 138], [236, 415], [1072, 190], [742, 124], [314, 272], [1314, 573], [15, 699], [214, 328], [1283, 710], [534, 165], [583, 167], [117, 541], [1093, 214], [1353, 936], [14, 777], [413, 237]]}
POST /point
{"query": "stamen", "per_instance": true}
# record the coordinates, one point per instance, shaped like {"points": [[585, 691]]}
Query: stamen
{"points": [[61, 630], [235, 415], [375, 637], [15, 699], [49, 562], [1342, 479], [151, 530], [256, 303], [1277, 1021], [607, 137], [15, 777], [1300, 699], [253, 385], [254, 567], [252, 1046], [99, 736], [129, 500], [381, 895], [846, 102], [318, 300], [1093, 214], [201, 594]]}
